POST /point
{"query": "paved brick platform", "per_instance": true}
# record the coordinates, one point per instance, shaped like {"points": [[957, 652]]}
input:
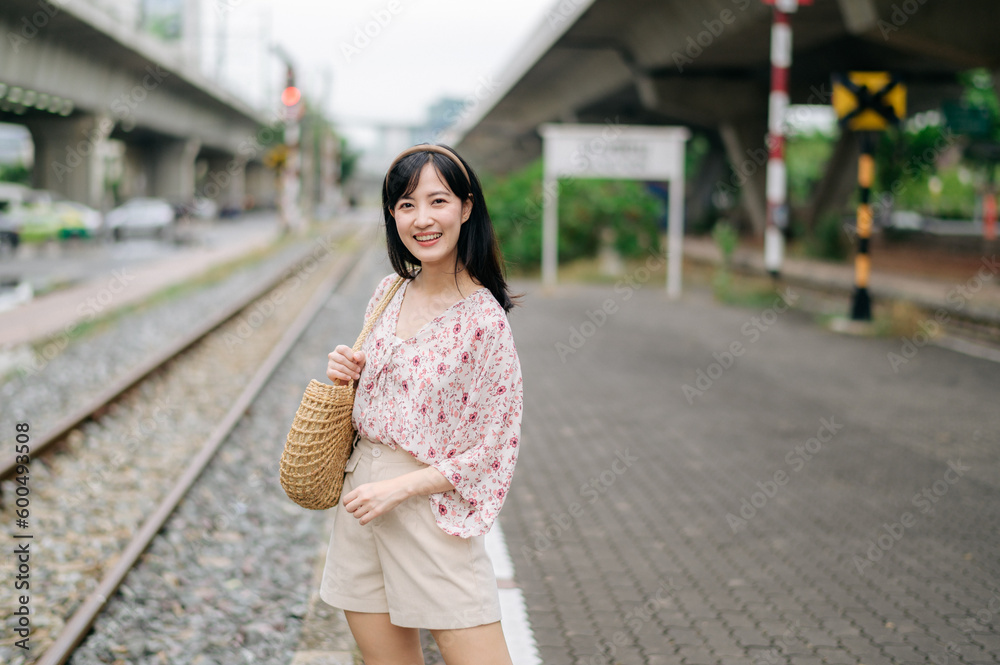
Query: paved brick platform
{"points": [[801, 501]]}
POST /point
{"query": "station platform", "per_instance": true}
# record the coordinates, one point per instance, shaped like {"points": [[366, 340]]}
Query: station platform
{"points": [[122, 283], [804, 501], [714, 485]]}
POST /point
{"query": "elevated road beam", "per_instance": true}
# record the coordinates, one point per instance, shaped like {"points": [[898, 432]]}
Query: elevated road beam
{"points": [[82, 55], [707, 65], [112, 82]]}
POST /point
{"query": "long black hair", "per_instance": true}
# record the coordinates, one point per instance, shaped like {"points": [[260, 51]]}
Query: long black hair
{"points": [[478, 247]]}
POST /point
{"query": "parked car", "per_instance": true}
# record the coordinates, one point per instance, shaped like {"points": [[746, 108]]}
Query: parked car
{"points": [[230, 212], [46, 215], [78, 219], [140, 216], [12, 197], [38, 215], [204, 208], [10, 232], [198, 208], [907, 220]]}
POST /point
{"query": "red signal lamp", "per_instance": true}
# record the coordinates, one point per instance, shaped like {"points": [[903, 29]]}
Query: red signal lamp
{"points": [[291, 96]]}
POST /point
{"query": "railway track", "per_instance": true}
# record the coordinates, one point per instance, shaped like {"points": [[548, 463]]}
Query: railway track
{"points": [[131, 454]]}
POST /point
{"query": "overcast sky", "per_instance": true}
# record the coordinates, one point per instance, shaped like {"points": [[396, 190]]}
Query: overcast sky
{"points": [[409, 54]]}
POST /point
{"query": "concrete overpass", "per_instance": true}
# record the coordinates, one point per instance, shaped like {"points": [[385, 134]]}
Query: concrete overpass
{"points": [[76, 77], [706, 65]]}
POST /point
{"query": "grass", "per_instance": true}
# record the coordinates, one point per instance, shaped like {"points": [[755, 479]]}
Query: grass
{"points": [[902, 319], [752, 295]]}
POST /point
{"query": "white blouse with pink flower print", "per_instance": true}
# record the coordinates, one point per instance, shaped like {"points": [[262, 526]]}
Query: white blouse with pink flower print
{"points": [[452, 397]]}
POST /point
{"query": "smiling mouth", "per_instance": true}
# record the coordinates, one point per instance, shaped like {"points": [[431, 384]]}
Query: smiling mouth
{"points": [[433, 236]]}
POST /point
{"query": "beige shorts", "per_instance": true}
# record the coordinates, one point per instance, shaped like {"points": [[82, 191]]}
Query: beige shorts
{"points": [[402, 562]]}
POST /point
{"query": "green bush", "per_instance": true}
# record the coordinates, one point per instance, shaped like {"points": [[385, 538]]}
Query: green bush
{"points": [[586, 207], [727, 239], [829, 240], [17, 173], [806, 156], [515, 205]]}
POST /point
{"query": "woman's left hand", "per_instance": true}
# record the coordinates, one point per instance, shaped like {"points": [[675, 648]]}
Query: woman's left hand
{"points": [[368, 501]]}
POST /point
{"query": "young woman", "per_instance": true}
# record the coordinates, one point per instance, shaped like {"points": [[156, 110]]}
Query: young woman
{"points": [[438, 410]]}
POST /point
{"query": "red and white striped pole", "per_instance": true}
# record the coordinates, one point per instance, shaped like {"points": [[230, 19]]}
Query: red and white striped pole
{"points": [[777, 177]]}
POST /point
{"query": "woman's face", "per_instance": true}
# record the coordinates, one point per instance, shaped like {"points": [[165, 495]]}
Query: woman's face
{"points": [[430, 218]]}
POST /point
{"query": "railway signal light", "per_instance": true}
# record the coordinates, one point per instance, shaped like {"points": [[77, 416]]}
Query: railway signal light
{"points": [[291, 95]]}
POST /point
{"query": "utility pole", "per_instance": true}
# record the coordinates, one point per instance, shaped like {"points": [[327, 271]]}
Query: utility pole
{"points": [[291, 179], [289, 213], [777, 176]]}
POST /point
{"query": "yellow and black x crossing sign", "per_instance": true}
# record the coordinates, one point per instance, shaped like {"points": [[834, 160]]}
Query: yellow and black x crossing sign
{"points": [[868, 100]]}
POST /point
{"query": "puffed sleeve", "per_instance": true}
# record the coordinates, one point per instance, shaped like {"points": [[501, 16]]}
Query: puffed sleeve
{"points": [[486, 439], [380, 291]]}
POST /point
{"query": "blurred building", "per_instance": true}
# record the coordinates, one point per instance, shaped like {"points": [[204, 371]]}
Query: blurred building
{"points": [[15, 146], [386, 141], [441, 116]]}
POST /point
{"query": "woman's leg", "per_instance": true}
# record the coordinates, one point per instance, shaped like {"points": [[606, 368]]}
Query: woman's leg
{"points": [[383, 643], [479, 645]]}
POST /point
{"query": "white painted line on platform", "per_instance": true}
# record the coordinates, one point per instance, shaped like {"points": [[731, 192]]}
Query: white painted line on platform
{"points": [[496, 547], [517, 629], [513, 611]]}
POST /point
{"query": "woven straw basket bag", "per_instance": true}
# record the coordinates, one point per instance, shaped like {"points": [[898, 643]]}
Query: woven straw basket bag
{"points": [[322, 435]]}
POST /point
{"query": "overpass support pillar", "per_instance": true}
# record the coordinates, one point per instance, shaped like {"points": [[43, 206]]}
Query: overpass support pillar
{"points": [[70, 155], [135, 172], [172, 169], [261, 186], [225, 182], [746, 146], [713, 170]]}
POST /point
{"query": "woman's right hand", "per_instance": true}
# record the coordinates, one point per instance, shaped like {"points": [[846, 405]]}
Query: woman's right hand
{"points": [[344, 365]]}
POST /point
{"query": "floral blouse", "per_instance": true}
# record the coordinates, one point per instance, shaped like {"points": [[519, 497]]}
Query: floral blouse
{"points": [[451, 396]]}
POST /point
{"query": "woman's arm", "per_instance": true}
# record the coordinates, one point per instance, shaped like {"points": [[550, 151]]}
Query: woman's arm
{"points": [[369, 500], [423, 482], [488, 432]]}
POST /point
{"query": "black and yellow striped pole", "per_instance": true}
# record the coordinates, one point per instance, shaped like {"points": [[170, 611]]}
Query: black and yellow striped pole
{"points": [[866, 102], [861, 305]]}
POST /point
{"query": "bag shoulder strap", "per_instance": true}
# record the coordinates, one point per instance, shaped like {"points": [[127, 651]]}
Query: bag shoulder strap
{"points": [[370, 323]]}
